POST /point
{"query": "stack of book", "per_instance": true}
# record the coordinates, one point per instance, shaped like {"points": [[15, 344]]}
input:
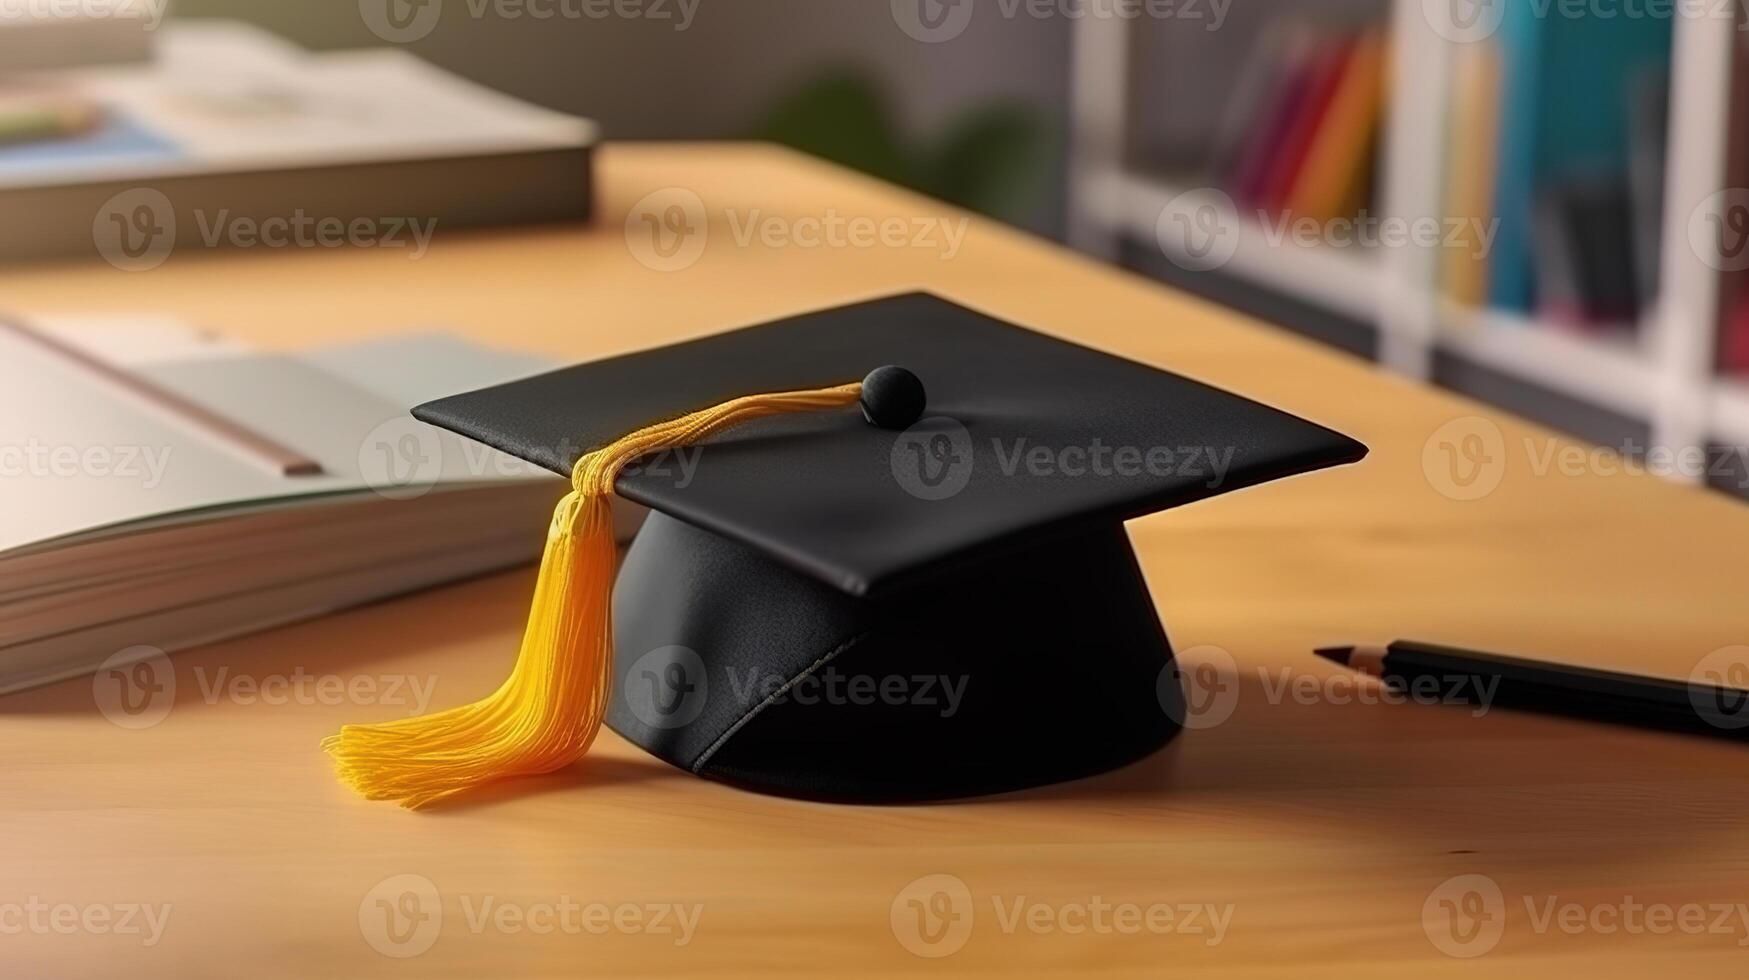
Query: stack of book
{"points": [[1556, 145], [1302, 125], [137, 520], [226, 119]]}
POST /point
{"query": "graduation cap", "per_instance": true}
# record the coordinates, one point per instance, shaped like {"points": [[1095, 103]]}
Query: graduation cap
{"points": [[914, 586]]}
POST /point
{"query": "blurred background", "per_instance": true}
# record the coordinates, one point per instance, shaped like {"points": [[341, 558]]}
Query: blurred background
{"points": [[1539, 204]]}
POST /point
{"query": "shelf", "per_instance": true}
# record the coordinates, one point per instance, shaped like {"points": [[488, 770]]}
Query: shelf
{"points": [[1348, 281], [1730, 410], [1663, 377], [1610, 370]]}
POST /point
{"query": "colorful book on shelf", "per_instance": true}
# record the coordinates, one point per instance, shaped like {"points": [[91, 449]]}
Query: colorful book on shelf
{"points": [[1566, 98], [1648, 142], [1469, 169], [1259, 81], [1332, 180], [1559, 296], [1584, 252], [1298, 57], [1323, 75], [1733, 323]]}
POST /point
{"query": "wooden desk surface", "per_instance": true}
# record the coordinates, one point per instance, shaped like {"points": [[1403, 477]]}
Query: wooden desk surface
{"points": [[1317, 830]]}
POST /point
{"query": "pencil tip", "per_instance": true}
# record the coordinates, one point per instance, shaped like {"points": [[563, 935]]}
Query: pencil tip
{"points": [[1338, 655]]}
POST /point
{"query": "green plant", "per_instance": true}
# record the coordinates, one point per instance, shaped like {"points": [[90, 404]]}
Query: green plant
{"points": [[992, 158]]}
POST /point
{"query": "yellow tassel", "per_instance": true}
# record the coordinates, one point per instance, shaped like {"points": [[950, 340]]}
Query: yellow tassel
{"points": [[546, 714]]}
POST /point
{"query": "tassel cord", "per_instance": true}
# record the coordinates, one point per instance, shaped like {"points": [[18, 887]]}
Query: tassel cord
{"points": [[548, 712]]}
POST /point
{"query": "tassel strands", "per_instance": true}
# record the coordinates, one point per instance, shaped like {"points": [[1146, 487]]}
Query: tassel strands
{"points": [[548, 711]]}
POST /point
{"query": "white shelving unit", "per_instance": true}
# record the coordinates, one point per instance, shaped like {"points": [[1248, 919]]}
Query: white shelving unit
{"points": [[1665, 377]]}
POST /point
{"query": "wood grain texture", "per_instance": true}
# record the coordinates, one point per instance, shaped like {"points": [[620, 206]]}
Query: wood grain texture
{"points": [[1321, 825]]}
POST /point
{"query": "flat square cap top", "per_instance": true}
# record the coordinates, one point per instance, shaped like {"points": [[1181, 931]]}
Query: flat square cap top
{"points": [[1024, 435]]}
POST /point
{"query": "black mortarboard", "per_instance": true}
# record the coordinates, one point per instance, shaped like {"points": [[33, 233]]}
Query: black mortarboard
{"points": [[822, 606]]}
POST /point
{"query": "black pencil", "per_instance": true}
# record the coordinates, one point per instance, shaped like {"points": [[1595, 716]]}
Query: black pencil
{"points": [[1447, 674]]}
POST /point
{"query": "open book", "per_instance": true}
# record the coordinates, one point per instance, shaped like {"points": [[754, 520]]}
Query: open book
{"points": [[128, 527]]}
